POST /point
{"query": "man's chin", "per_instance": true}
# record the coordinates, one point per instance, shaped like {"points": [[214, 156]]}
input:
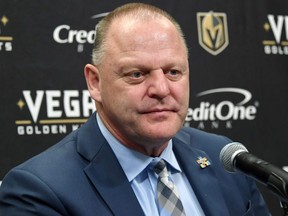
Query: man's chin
{"points": [[160, 134]]}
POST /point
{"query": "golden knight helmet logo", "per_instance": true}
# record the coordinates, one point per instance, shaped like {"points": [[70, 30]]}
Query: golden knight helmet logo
{"points": [[212, 31]]}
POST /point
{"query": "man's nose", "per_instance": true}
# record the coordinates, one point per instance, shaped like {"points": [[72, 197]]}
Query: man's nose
{"points": [[158, 84]]}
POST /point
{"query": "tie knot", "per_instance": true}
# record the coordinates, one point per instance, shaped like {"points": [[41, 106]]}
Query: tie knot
{"points": [[161, 169]]}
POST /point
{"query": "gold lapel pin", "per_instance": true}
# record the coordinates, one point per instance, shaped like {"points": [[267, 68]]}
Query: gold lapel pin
{"points": [[203, 162]]}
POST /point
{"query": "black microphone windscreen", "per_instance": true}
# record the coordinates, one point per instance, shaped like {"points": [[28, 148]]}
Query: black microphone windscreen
{"points": [[228, 154]]}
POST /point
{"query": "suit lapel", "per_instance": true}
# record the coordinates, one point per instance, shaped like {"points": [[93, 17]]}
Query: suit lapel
{"points": [[107, 176], [203, 181], [105, 172]]}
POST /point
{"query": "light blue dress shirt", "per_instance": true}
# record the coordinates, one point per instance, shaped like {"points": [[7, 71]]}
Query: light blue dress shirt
{"points": [[143, 179]]}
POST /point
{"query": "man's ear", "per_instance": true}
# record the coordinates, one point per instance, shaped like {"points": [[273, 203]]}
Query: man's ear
{"points": [[92, 77]]}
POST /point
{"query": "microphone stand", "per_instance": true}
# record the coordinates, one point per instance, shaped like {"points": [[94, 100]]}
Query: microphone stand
{"points": [[284, 206]]}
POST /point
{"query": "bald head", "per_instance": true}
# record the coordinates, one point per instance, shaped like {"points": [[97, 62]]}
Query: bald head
{"points": [[124, 19]]}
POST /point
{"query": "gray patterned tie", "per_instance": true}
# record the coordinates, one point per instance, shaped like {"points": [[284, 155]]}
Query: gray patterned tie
{"points": [[168, 198]]}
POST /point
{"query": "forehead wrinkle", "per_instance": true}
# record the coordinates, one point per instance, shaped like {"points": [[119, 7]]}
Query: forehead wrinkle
{"points": [[151, 62]]}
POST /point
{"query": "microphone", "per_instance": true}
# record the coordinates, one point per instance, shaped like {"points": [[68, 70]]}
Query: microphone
{"points": [[235, 157]]}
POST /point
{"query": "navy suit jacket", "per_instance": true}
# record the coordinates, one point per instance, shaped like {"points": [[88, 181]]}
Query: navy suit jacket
{"points": [[81, 176]]}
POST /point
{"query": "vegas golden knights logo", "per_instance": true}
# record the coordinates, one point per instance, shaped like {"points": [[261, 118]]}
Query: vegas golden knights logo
{"points": [[212, 31]]}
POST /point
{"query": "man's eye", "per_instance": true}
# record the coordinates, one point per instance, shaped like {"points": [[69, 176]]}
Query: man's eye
{"points": [[134, 77], [173, 74], [136, 74]]}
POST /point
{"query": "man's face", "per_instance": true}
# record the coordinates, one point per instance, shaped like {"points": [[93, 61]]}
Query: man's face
{"points": [[144, 83]]}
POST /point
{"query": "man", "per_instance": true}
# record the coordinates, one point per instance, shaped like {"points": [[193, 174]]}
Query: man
{"points": [[140, 82]]}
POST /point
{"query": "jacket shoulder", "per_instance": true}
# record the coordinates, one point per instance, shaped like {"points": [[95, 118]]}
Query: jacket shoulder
{"points": [[202, 140]]}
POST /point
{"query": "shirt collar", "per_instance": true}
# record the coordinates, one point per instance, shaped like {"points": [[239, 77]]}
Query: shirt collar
{"points": [[137, 161]]}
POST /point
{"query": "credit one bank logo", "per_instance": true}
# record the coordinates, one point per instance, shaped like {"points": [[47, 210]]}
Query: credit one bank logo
{"points": [[66, 34], [213, 115]]}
